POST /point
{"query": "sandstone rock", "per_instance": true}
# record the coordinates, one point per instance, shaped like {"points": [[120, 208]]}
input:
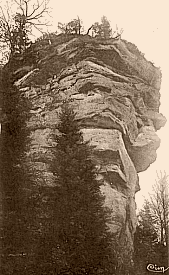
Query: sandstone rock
{"points": [[143, 150], [26, 78], [158, 119], [115, 93]]}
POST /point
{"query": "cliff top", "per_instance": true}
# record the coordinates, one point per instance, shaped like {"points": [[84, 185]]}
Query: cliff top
{"points": [[55, 54]]}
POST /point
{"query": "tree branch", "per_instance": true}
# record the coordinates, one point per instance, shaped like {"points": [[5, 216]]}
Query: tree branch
{"points": [[38, 7], [89, 29]]}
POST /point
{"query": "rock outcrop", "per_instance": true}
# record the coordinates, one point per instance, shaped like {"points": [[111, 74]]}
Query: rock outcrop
{"points": [[115, 92]]}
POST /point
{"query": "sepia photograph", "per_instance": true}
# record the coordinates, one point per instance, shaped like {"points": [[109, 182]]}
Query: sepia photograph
{"points": [[84, 137]]}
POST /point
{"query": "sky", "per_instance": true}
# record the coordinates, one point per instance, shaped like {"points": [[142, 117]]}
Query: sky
{"points": [[145, 23]]}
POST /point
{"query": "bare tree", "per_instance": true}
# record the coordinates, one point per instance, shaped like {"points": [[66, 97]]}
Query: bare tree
{"points": [[19, 20], [117, 33], [33, 12], [159, 205]]}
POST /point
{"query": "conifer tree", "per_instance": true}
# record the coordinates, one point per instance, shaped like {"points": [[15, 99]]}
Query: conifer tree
{"points": [[15, 185], [79, 224], [102, 30], [106, 29]]}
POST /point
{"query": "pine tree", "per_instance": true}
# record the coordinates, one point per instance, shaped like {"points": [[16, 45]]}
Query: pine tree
{"points": [[79, 224], [17, 217], [102, 30], [106, 29]]}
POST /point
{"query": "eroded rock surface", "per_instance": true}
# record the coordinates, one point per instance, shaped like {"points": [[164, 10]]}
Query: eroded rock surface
{"points": [[115, 92]]}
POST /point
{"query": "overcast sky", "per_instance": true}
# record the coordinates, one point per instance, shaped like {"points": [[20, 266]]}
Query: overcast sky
{"points": [[145, 23]]}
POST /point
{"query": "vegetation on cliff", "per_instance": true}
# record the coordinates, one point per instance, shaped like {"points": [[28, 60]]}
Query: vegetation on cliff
{"points": [[65, 224], [13, 142], [79, 228]]}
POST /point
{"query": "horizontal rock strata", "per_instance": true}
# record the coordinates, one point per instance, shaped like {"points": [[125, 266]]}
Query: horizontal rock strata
{"points": [[115, 92]]}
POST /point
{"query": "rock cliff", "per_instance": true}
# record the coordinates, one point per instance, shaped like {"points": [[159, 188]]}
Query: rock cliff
{"points": [[115, 92]]}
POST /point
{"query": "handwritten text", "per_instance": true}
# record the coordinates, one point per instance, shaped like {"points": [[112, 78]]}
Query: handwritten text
{"points": [[155, 268]]}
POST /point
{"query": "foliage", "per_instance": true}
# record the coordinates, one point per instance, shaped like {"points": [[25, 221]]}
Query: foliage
{"points": [[79, 228], [73, 27], [151, 237], [97, 29], [145, 240], [20, 197], [46, 39], [106, 29], [102, 30], [14, 140], [146, 235], [16, 35], [16, 27]]}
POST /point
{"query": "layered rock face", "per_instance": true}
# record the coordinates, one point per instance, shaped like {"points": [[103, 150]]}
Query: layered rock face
{"points": [[115, 92]]}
